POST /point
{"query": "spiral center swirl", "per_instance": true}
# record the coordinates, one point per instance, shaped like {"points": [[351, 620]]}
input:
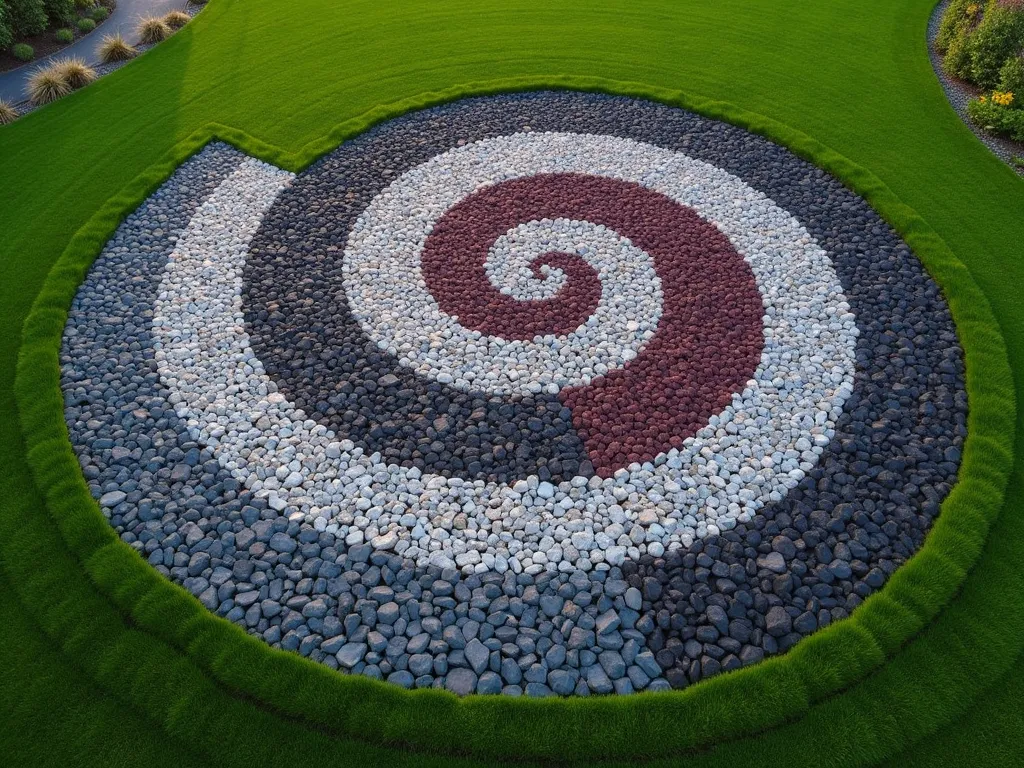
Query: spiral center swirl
{"points": [[709, 302]]}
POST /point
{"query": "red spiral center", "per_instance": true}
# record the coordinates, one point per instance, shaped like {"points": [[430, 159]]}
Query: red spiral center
{"points": [[708, 340]]}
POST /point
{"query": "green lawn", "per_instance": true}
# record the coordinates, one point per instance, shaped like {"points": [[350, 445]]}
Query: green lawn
{"points": [[852, 74]]}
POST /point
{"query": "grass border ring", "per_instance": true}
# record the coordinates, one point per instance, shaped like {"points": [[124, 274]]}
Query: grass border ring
{"points": [[243, 672]]}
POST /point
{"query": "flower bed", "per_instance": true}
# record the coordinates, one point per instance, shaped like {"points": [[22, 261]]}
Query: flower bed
{"points": [[982, 44]]}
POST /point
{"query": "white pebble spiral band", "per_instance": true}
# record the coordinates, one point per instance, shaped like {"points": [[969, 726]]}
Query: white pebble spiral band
{"points": [[747, 456]]}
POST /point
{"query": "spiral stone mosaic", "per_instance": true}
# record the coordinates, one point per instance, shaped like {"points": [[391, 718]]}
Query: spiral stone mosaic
{"points": [[548, 393]]}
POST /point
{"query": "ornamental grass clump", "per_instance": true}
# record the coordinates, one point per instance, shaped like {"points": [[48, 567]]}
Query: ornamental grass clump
{"points": [[116, 48], [64, 35], [47, 84], [177, 19], [8, 114], [86, 25], [76, 72], [153, 29]]}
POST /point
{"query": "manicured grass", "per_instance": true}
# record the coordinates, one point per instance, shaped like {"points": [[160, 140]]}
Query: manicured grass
{"points": [[876, 104], [745, 702]]}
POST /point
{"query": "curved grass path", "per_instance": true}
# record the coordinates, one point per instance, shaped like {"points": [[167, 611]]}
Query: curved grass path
{"points": [[854, 75]]}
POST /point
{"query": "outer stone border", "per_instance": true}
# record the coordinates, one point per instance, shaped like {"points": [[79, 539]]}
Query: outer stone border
{"points": [[797, 685]]}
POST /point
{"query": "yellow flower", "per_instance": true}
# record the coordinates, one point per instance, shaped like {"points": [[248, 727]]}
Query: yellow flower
{"points": [[983, 98], [973, 8], [1003, 99]]}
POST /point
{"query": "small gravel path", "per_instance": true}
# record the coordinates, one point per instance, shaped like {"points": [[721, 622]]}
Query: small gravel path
{"points": [[124, 18], [960, 93]]}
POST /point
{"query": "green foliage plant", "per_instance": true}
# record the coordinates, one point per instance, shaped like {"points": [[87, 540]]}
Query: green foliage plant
{"points": [[59, 11], [999, 118], [999, 36], [6, 35], [1011, 79], [23, 52], [955, 22], [64, 35], [27, 17], [86, 25], [957, 60]]}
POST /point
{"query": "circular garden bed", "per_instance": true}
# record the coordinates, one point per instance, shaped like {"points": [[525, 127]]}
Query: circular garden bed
{"points": [[548, 393]]}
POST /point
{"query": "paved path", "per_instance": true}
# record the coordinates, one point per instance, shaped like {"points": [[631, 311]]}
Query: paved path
{"points": [[123, 20]]}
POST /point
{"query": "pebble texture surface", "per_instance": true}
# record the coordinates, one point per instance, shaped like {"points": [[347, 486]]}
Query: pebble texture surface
{"points": [[560, 575], [627, 405]]}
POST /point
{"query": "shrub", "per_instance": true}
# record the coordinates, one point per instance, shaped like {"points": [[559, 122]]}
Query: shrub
{"points": [[64, 35], [86, 25], [1011, 77], [984, 113], [99, 13], [152, 29], [955, 21], [8, 114], [26, 17], [998, 116], [75, 71], [47, 84], [998, 37], [23, 52], [84, 3], [1014, 124], [59, 11], [177, 19], [958, 58], [115, 48], [6, 35]]}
